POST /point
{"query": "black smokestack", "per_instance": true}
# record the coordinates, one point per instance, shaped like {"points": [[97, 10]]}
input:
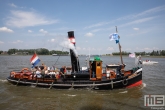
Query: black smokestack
{"points": [[73, 56]]}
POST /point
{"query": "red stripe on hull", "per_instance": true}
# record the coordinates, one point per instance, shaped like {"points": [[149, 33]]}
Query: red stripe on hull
{"points": [[135, 84]]}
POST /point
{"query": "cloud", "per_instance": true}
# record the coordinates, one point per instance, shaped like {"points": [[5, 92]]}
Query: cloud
{"points": [[150, 11], [30, 31], [128, 49], [139, 33], [43, 31], [89, 34], [13, 5], [110, 48], [147, 48], [99, 48], [26, 18], [1, 42], [18, 41], [144, 13], [153, 48], [96, 30], [93, 48], [52, 40], [133, 16], [97, 25], [136, 29], [5, 29], [137, 21], [78, 48]]}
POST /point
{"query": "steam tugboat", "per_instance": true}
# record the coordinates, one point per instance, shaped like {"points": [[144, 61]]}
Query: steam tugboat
{"points": [[96, 76]]}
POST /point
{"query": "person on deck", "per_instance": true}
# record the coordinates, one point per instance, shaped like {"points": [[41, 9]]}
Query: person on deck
{"points": [[38, 73], [63, 71], [33, 70], [46, 70], [93, 65]]}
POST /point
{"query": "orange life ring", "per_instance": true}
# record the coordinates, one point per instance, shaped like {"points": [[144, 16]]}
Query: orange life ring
{"points": [[113, 75], [12, 74], [24, 69]]}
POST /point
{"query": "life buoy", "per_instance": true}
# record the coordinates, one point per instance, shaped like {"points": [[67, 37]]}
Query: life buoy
{"points": [[12, 74], [24, 69], [113, 75], [125, 81]]}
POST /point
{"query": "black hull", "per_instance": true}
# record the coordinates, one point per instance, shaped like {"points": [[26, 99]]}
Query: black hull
{"points": [[107, 84]]}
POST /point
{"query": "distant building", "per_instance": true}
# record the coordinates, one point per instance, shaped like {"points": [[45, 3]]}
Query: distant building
{"points": [[4, 53]]}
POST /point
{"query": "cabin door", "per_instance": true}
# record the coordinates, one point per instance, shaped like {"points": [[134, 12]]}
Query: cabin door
{"points": [[98, 69]]}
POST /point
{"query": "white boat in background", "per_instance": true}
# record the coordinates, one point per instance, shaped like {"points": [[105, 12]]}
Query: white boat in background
{"points": [[54, 54], [149, 62]]}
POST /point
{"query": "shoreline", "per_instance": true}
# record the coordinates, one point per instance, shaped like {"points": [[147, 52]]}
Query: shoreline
{"points": [[85, 55], [143, 56]]}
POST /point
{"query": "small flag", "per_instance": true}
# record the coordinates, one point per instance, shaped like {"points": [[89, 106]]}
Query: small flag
{"points": [[34, 60], [132, 55], [115, 37]]}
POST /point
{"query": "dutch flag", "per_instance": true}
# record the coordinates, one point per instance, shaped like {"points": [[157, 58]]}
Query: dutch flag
{"points": [[34, 60]]}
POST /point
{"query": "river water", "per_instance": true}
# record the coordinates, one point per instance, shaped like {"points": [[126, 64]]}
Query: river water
{"points": [[14, 97]]}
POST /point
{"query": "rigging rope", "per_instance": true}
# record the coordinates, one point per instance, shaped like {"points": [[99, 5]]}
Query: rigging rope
{"points": [[58, 57]]}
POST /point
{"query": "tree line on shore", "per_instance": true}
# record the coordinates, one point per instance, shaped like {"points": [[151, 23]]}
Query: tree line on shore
{"points": [[40, 51], [153, 53], [44, 51]]}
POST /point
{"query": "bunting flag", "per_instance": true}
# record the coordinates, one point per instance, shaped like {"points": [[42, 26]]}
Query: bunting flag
{"points": [[132, 55], [34, 60], [115, 37]]}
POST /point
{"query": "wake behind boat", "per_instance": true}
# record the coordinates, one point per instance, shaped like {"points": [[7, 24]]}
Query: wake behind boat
{"points": [[149, 62], [94, 76]]}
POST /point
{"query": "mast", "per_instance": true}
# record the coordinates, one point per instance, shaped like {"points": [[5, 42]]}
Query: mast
{"points": [[119, 48], [73, 56]]}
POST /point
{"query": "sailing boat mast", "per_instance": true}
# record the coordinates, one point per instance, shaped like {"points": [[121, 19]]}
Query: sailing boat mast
{"points": [[119, 48]]}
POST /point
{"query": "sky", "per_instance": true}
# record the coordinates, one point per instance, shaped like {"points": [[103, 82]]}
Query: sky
{"points": [[32, 24]]}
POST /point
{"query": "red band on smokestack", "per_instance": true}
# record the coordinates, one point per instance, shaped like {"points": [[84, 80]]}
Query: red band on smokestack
{"points": [[72, 40], [71, 37]]}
